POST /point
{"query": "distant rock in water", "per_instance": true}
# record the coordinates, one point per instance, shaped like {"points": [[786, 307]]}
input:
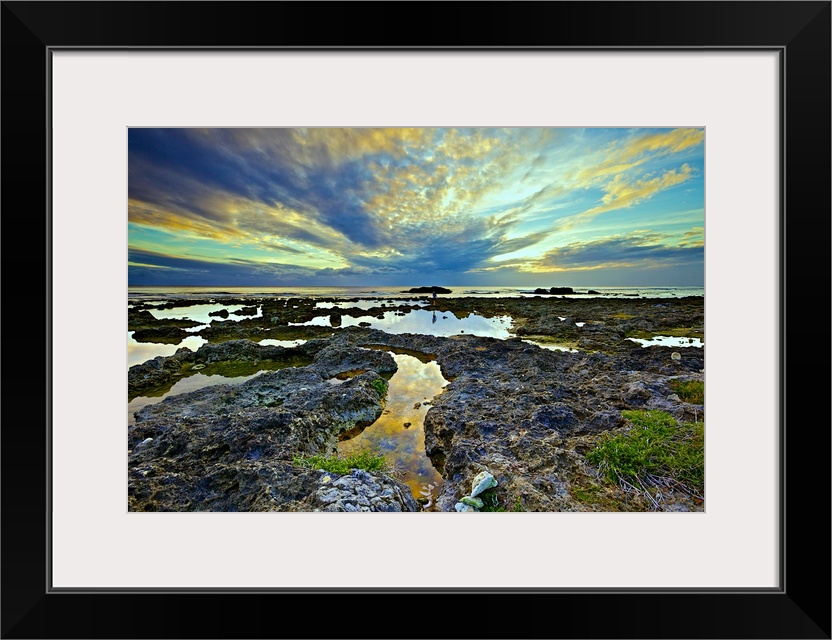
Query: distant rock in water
{"points": [[428, 290], [246, 311], [555, 291]]}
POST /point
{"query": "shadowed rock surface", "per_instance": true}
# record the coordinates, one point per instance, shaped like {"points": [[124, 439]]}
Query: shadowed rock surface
{"points": [[230, 447]]}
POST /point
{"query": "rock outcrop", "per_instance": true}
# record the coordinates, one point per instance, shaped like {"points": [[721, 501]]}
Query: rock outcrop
{"points": [[232, 448]]}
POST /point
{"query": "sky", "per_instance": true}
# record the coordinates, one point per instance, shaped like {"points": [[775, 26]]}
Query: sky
{"points": [[416, 206]]}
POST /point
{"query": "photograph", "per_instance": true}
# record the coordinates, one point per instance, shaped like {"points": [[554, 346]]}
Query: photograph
{"points": [[456, 264], [416, 319]]}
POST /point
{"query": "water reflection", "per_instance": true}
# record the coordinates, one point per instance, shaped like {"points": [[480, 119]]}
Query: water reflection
{"points": [[281, 343], [199, 312], [399, 433], [551, 346], [138, 352], [422, 321], [669, 341], [185, 385], [366, 305]]}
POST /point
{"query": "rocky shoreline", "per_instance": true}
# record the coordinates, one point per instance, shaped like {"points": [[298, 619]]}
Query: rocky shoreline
{"points": [[525, 414]]}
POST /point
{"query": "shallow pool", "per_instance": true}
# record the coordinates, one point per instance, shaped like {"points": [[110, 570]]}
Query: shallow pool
{"points": [[552, 346], [366, 305], [425, 322], [399, 434], [184, 385], [668, 341], [199, 312], [281, 343], [138, 352]]}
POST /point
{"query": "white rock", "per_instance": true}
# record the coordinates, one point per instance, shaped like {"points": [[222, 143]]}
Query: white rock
{"points": [[482, 481]]}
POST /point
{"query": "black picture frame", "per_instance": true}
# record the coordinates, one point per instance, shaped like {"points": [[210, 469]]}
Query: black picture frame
{"points": [[800, 608]]}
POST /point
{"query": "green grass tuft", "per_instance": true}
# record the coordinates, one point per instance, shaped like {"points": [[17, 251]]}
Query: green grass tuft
{"points": [[380, 386], [492, 502], [692, 391], [336, 464], [654, 453], [589, 494]]}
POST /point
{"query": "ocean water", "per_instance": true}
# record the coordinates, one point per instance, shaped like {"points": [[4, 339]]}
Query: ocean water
{"points": [[161, 293]]}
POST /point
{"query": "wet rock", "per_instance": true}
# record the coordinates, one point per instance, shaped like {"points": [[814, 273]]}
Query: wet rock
{"points": [[162, 335], [138, 319], [246, 311], [231, 447], [221, 313], [557, 416], [338, 358], [153, 373]]}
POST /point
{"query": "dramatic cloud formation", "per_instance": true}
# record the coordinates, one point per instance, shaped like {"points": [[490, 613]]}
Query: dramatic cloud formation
{"points": [[396, 206]]}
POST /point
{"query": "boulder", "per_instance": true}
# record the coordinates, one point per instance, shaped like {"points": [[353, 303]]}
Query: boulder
{"points": [[428, 290]]}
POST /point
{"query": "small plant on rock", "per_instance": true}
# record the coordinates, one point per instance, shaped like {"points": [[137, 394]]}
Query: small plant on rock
{"points": [[336, 464], [692, 391], [653, 455], [380, 386]]}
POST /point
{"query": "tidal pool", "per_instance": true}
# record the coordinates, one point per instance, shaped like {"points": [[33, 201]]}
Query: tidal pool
{"points": [[281, 343], [138, 352], [551, 346], [425, 322], [199, 312], [668, 341], [366, 305], [184, 385], [399, 434]]}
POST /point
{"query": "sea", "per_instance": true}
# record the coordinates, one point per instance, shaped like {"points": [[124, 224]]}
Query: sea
{"points": [[137, 292]]}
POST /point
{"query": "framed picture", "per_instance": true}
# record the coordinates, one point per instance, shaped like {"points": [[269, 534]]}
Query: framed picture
{"points": [[752, 77]]}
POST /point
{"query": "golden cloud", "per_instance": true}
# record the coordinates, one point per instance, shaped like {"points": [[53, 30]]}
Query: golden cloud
{"points": [[149, 215], [338, 144], [620, 194], [620, 157]]}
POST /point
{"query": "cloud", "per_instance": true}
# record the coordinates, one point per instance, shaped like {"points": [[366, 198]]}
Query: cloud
{"points": [[378, 201], [156, 268], [621, 156], [693, 238], [639, 249], [351, 191], [621, 194]]}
